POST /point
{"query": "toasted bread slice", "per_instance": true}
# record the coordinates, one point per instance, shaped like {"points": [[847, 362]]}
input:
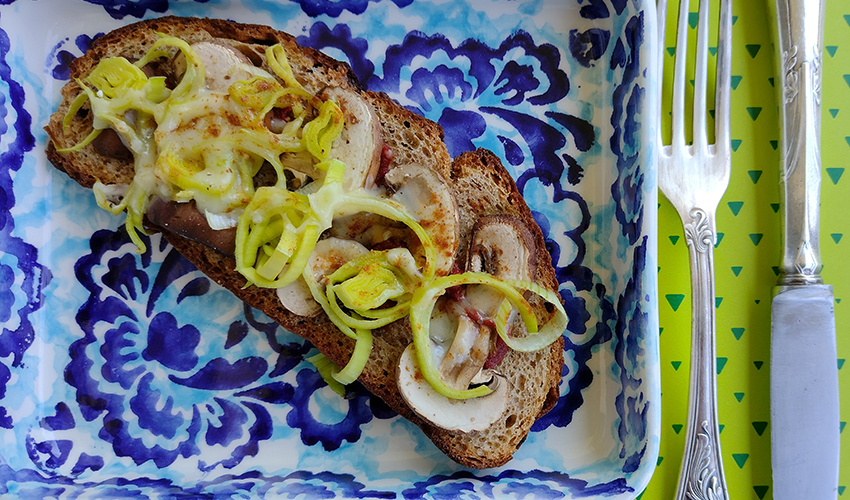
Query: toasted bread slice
{"points": [[482, 187]]}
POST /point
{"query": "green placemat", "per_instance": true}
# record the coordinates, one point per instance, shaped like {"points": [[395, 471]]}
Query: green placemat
{"points": [[747, 254]]}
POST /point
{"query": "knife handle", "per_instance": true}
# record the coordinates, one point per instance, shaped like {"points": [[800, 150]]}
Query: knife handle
{"points": [[797, 30]]}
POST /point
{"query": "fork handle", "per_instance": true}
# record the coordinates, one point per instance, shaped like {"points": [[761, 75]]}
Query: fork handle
{"points": [[702, 477]]}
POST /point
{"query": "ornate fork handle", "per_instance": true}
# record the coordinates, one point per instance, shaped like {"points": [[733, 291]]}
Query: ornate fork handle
{"points": [[702, 459]]}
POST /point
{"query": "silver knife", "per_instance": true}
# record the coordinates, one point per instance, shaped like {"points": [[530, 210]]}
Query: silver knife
{"points": [[803, 361]]}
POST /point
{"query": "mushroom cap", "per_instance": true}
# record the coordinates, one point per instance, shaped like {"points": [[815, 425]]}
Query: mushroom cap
{"points": [[432, 201], [223, 64], [328, 256], [462, 415], [503, 246], [360, 143]]}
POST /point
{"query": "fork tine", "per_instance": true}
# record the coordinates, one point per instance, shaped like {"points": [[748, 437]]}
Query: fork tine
{"points": [[700, 78], [724, 79], [678, 128], [661, 10]]}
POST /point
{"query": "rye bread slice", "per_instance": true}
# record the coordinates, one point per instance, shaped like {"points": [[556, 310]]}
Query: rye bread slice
{"points": [[482, 187]]}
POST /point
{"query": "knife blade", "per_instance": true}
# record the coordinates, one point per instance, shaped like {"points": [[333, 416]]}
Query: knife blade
{"points": [[804, 405]]}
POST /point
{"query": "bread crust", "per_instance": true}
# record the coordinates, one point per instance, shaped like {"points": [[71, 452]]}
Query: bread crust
{"points": [[482, 187]]}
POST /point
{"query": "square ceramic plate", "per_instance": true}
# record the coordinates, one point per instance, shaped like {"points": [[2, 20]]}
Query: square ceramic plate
{"points": [[133, 375]]}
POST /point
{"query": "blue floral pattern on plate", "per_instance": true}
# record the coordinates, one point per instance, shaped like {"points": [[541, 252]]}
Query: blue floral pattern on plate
{"points": [[125, 374]]}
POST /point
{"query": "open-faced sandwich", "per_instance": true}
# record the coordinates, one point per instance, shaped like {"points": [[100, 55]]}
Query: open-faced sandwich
{"points": [[332, 209]]}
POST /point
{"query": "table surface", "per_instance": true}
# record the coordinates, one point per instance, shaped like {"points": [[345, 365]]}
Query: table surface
{"points": [[746, 257]]}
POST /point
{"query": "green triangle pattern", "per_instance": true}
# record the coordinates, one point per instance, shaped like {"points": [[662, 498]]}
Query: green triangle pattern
{"points": [[833, 112], [740, 459], [847, 80], [712, 51], [738, 333], [836, 237], [840, 363], [720, 428], [841, 427], [735, 143], [761, 491], [675, 300], [771, 81], [753, 49], [835, 173], [719, 239], [758, 364], [775, 207], [739, 396], [721, 363], [735, 206], [736, 80], [774, 144], [754, 112], [841, 490], [693, 19], [755, 175], [736, 270], [660, 459], [759, 427], [775, 270], [831, 49], [717, 301], [677, 428], [847, 19], [674, 239], [676, 365], [756, 238], [671, 51]]}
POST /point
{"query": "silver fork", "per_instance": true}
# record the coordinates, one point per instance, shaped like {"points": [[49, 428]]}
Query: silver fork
{"points": [[694, 178]]}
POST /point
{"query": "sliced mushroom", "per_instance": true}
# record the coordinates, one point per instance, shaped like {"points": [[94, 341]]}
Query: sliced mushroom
{"points": [[371, 230], [108, 143], [503, 246], [328, 256], [223, 64], [186, 220], [463, 415], [467, 354], [428, 196], [360, 144]]}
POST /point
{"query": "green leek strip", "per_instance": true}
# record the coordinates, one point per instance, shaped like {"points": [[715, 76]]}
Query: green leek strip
{"points": [[425, 298], [359, 358], [136, 208], [548, 333], [114, 76], [376, 318], [309, 238], [195, 75], [326, 369], [262, 221], [75, 106], [85, 142], [279, 63], [279, 256], [395, 313], [421, 306], [258, 93], [320, 132], [356, 202], [319, 296]]}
